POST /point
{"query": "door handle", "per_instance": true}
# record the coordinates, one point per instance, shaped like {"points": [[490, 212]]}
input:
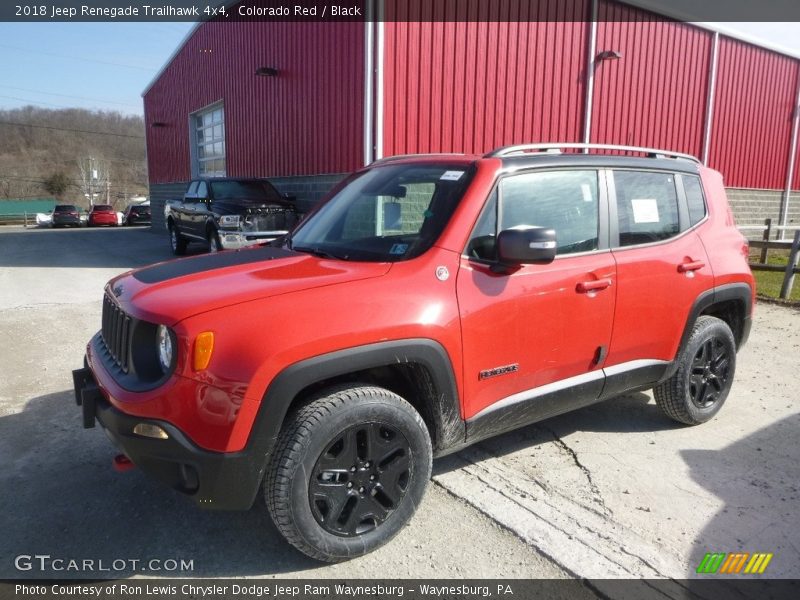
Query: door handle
{"points": [[592, 286], [691, 266]]}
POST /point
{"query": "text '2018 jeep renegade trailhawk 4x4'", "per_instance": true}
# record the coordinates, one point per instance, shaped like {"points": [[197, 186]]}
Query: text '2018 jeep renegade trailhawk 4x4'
{"points": [[430, 302]]}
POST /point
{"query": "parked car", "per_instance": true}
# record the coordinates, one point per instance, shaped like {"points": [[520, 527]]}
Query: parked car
{"points": [[429, 303], [65, 215], [225, 213], [103, 214], [137, 214]]}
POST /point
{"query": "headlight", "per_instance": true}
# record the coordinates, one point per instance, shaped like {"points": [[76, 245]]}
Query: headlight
{"points": [[165, 350], [229, 221]]}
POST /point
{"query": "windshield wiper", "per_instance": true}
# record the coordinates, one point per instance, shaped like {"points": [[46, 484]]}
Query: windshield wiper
{"points": [[319, 252]]}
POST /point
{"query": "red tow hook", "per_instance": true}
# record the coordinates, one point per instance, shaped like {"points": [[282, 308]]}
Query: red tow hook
{"points": [[122, 463]]}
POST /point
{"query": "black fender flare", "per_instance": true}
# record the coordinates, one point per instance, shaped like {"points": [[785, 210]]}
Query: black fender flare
{"points": [[450, 427], [740, 292]]}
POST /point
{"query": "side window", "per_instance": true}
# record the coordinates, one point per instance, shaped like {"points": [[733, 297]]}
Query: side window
{"points": [[566, 201], [694, 198], [202, 190], [647, 205], [192, 191]]}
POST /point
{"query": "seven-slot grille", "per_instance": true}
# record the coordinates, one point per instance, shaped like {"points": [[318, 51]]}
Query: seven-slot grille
{"points": [[116, 332]]}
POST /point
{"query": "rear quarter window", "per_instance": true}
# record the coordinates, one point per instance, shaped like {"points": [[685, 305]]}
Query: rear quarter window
{"points": [[694, 198]]}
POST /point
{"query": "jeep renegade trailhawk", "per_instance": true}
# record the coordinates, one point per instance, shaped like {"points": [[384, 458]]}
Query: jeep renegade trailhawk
{"points": [[430, 302]]}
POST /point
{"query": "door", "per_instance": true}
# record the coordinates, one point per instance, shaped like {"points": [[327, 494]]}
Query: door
{"points": [[535, 336], [201, 210], [662, 268]]}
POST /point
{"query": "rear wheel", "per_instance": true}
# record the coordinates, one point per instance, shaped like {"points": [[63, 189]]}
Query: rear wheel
{"points": [[706, 366], [177, 241], [349, 469]]}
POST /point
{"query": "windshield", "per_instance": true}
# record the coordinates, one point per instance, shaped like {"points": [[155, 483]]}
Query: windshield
{"points": [[102, 208], [65, 208], [253, 191], [388, 213]]}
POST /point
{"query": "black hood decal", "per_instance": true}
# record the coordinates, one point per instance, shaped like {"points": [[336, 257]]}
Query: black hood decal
{"points": [[209, 262]]}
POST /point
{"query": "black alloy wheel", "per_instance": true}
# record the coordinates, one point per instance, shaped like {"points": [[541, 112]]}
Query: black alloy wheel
{"points": [[709, 373], [360, 479], [703, 376], [349, 469]]}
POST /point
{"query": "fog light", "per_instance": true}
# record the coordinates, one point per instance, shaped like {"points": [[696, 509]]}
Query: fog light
{"points": [[151, 431], [203, 347]]}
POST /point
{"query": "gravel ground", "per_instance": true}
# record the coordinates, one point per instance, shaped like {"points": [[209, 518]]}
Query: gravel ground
{"points": [[613, 490]]}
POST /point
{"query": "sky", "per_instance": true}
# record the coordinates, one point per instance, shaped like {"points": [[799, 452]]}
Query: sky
{"points": [[106, 66], [102, 66]]}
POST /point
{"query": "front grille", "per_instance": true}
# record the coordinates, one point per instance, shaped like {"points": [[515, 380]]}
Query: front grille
{"points": [[266, 219], [116, 333]]}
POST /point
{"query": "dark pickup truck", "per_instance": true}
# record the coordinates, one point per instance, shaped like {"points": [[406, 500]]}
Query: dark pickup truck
{"points": [[227, 213]]}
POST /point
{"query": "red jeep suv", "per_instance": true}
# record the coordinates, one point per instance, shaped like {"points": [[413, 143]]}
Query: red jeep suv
{"points": [[428, 303]]}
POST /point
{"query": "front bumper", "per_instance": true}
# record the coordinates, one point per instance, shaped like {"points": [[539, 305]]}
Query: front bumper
{"points": [[214, 480], [233, 240]]}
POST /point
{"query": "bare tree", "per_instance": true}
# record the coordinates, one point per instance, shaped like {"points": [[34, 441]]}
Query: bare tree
{"points": [[95, 178]]}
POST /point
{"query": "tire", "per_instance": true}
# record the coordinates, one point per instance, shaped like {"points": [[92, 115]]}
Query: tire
{"points": [[349, 469], [212, 239], [706, 367], [176, 241]]}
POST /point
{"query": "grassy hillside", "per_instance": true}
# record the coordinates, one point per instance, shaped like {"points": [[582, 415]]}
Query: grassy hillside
{"points": [[41, 144]]}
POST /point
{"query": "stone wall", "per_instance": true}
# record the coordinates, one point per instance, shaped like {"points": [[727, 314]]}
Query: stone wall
{"points": [[159, 194], [751, 207]]}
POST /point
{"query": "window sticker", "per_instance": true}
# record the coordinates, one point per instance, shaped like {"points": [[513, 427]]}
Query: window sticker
{"points": [[451, 175], [587, 192], [645, 210], [398, 249]]}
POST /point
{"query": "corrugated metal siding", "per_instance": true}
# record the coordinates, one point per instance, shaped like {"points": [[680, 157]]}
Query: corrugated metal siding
{"points": [[472, 86], [655, 95], [796, 183], [752, 116], [307, 120]]}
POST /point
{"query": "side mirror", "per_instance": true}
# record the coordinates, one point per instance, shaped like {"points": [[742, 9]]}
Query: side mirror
{"points": [[290, 198], [524, 244]]}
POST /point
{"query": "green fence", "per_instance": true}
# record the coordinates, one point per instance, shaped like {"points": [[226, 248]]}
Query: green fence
{"points": [[24, 211]]}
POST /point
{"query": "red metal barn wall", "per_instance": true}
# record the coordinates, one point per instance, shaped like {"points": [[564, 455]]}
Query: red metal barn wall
{"points": [[753, 109], [306, 120], [655, 95], [470, 86]]}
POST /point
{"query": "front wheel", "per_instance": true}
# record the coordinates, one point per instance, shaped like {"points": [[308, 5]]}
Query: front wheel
{"points": [[349, 469], [176, 241], [212, 239], [706, 366]]}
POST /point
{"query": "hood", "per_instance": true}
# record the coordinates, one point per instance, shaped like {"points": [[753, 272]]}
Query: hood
{"points": [[171, 291]]}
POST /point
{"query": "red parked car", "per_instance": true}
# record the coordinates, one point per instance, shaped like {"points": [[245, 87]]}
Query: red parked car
{"points": [[102, 214], [429, 303]]}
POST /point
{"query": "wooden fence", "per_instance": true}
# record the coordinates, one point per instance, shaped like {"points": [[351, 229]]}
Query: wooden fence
{"points": [[765, 245]]}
